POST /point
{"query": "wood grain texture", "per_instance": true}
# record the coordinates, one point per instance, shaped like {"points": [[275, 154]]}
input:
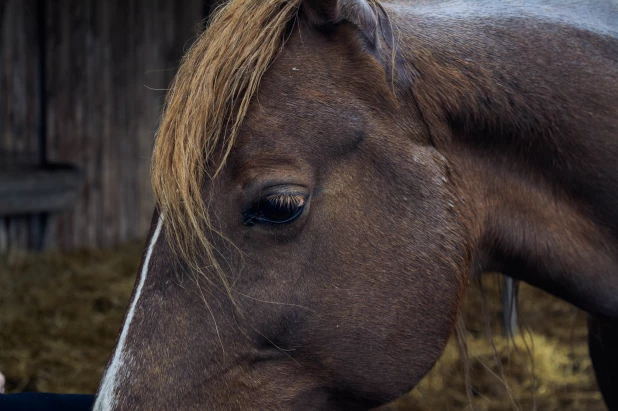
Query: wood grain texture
{"points": [[108, 66], [18, 106]]}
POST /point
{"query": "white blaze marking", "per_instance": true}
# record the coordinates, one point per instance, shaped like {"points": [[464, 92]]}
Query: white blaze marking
{"points": [[106, 398]]}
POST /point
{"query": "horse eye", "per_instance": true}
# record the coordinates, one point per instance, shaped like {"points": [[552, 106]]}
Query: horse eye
{"points": [[275, 209]]}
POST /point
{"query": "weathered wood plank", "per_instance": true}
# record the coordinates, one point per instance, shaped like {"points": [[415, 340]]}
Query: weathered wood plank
{"points": [[32, 191]]}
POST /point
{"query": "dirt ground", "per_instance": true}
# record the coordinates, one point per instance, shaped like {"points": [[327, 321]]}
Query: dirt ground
{"points": [[60, 314]]}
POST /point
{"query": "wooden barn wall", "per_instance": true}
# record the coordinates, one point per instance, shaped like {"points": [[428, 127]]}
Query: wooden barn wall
{"points": [[18, 71], [108, 65]]}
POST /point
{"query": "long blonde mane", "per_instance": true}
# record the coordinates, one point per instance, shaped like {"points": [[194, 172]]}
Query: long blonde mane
{"points": [[204, 110]]}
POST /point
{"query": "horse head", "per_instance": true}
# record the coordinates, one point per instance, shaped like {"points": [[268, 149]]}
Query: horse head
{"points": [[317, 220]]}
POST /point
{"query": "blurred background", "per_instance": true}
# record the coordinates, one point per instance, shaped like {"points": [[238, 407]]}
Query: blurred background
{"points": [[82, 85]]}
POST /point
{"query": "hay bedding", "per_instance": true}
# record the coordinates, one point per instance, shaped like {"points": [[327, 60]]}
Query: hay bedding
{"points": [[60, 314]]}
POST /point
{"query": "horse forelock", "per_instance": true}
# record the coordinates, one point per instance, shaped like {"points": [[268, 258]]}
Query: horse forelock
{"points": [[204, 110]]}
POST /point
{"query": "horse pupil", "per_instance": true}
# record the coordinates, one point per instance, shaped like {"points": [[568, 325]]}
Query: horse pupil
{"points": [[274, 211]]}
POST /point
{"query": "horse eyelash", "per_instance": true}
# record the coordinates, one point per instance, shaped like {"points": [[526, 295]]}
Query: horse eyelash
{"points": [[286, 200]]}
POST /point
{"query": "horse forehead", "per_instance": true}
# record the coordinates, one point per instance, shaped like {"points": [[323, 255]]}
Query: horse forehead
{"points": [[304, 125], [289, 123], [310, 76], [309, 100]]}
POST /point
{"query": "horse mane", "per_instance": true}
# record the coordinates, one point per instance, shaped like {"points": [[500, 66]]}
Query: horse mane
{"points": [[204, 110]]}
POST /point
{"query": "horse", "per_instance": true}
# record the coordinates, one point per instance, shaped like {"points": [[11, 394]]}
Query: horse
{"points": [[330, 174]]}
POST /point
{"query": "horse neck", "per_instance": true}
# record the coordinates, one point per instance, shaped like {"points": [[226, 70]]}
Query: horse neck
{"points": [[526, 111]]}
